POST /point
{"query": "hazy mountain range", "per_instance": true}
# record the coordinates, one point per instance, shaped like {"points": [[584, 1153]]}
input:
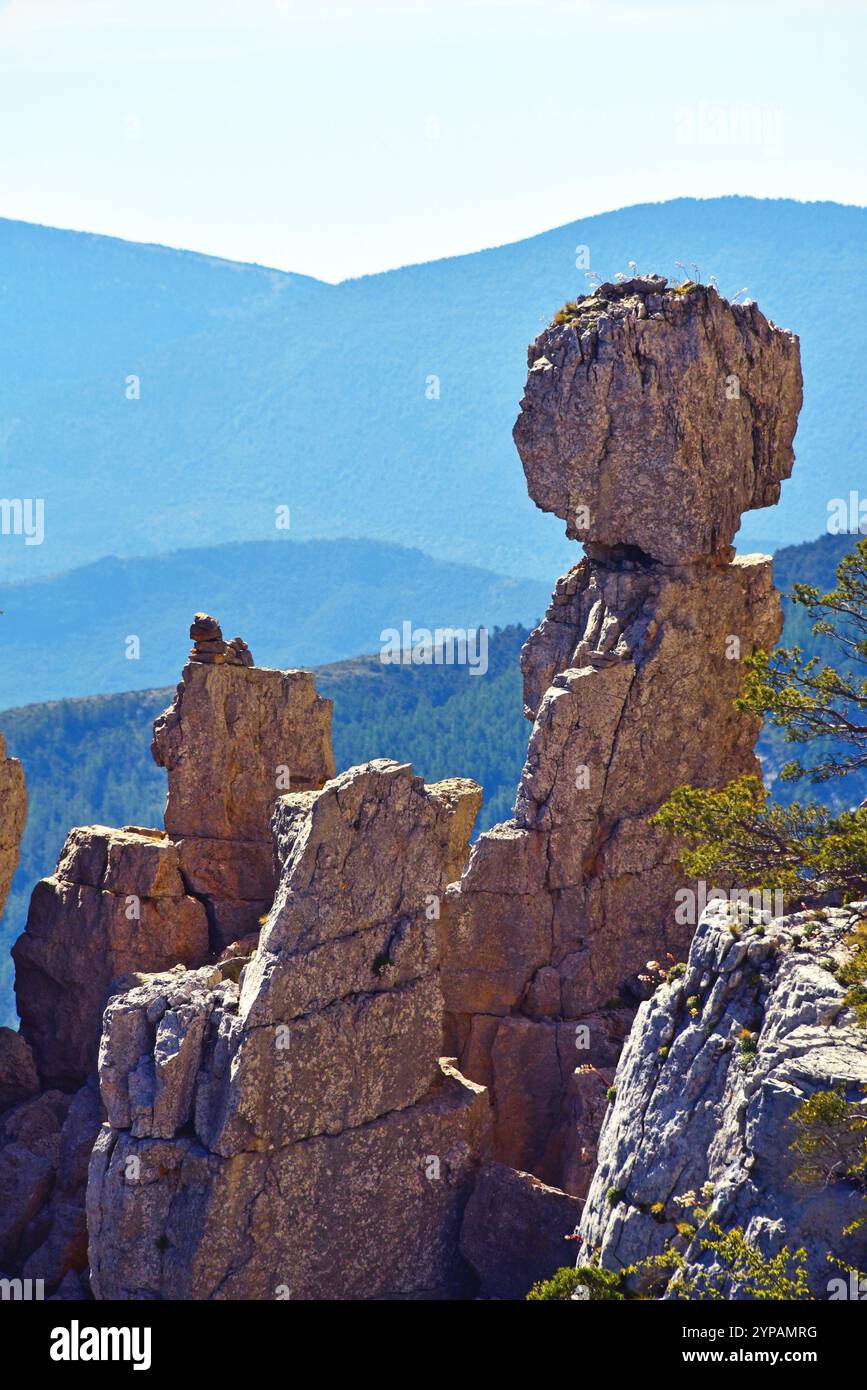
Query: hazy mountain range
{"points": [[296, 603], [159, 400]]}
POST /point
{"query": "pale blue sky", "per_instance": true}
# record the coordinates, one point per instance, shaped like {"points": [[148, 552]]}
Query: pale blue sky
{"points": [[342, 138]]}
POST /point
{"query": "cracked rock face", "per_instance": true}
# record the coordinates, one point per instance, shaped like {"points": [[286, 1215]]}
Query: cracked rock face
{"points": [[293, 1130], [13, 814], [692, 1107], [560, 909], [115, 904], [121, 904], [654, 416], [234, 738], [630, 682]]}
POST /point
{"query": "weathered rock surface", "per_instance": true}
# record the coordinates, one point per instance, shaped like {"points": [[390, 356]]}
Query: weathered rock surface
{"points": [[560, 909], [123, 904], [276, 1120], [293, 1131], [664, 412], [630, 681], [234, 738], [115, 904], [694, 1107], [18, 1077], [13, 814], [45, 1145], [515, 1231]]}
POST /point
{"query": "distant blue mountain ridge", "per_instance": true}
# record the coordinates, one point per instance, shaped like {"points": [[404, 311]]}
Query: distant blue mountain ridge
{"points": [[296, 603], [159, 400]]}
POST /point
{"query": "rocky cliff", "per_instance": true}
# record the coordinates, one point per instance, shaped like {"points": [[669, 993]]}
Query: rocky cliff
{"points": [[13, 814], [123, 904], [294, 1135], [652, 417], [394, 1089], [715, 1066]]}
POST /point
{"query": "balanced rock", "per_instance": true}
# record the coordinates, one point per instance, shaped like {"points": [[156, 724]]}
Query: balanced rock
{"points": [[208, 648], [654, 415], [630, 681]]}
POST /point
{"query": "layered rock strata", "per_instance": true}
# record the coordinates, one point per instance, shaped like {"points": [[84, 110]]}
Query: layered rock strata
{"points": [[652, 416], [292, 1135], [715, 1066]]}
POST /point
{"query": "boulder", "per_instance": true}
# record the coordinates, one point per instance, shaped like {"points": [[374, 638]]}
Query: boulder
{"points": [[655, 415]]}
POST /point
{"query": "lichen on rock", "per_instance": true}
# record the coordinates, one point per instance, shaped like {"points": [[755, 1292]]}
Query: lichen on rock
{"points": [[716, 1065]]}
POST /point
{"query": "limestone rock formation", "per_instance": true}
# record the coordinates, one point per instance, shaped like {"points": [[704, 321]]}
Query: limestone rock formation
{"points": [[654, 416], [293, 1131], [115, 904], [18, 1076], [695, 1107], [13, 814], [123, 904], [235, 736], [630, 682], [277, 1118]]}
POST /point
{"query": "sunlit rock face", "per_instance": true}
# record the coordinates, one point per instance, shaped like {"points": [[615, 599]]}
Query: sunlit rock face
{"points": [[701, 1127], [125, 903], [652, 417], [295, 1130]]}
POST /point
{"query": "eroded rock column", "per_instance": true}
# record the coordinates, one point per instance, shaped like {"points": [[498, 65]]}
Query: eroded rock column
{"points": [[124, 903], [652, 418], [292, 1134], [235, 738], [13, 814]]}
